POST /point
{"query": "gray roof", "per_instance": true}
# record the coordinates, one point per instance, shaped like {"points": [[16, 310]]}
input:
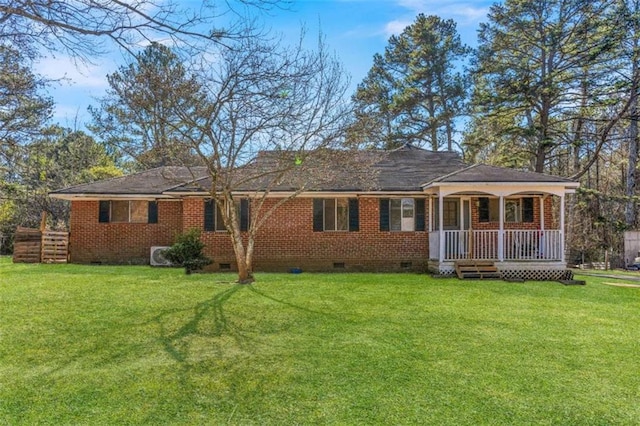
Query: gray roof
{"points": [[406, 169], [150, 182], [486, 173]]}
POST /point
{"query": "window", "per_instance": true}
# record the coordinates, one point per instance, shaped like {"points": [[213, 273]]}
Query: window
{"points": [[128, 211], [515, 209], [450, 214], [335, 214], [402, 214], [213, 220], [512, 211], [488, 209]]}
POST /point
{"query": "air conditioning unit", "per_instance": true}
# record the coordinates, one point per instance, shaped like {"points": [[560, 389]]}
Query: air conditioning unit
{"points": [[157, 256]]}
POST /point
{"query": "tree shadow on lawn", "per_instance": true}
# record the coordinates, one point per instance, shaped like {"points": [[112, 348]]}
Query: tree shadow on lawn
{"points": [[211, 311], [210, 321], [297, 307]]}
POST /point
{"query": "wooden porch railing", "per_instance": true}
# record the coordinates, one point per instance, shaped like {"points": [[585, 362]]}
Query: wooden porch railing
{"points": [[484, 245]]}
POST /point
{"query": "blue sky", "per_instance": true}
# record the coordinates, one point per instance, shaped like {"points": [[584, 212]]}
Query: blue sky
{"points": [[354, 29]]}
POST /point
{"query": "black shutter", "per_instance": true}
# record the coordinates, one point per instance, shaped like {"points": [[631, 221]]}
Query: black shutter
{"points": [[419, 203], [384, 214], [153, 212], [209, 215], [103, 215], [244, 214], [354, 215], [318, 215], [483, 209], [527, 209]]}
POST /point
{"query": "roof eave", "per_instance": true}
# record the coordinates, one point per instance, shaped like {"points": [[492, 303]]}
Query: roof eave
{"points": [[107, 196]]}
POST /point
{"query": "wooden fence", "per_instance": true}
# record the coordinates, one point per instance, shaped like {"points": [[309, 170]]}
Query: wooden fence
{"points": [[34, 246]]}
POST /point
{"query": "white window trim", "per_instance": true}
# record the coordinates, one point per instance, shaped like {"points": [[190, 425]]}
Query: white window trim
{"points": [[403, 228], [518, 211], [335, 215]]}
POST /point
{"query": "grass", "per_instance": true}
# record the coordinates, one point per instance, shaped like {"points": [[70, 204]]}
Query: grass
{"points": [[141, 345], [617, 272]]}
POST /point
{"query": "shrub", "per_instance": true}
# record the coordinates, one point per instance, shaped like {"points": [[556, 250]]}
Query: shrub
{"points": [[187, 251]]}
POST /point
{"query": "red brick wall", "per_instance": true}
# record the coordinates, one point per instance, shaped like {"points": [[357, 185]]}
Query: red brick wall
{"points": [[91, 241], [288, 241], [549, 222]]}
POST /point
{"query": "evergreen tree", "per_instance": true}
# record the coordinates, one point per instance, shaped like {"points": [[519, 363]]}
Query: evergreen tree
{"points": [[539, 68], [137, 116], [413, 93], [23, 108]]}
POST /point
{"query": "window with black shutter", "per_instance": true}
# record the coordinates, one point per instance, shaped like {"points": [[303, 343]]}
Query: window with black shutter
{"points": [[213, 220], [400, 214], [335, 214], [127, 211]]}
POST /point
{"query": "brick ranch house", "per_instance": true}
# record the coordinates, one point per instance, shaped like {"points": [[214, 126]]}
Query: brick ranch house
{"points": [[427, 211]]}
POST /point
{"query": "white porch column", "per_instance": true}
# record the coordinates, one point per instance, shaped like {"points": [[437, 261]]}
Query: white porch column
{"points": [[440, 225], [542, 199], [501, 230], [562, 242]]}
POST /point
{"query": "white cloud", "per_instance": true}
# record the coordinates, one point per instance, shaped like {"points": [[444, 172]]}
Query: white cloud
{"points": [[461, 12], [466, 14], [76, 85], [395, 27], [74, 73]]}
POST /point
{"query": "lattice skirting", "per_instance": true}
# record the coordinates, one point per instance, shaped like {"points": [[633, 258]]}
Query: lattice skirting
{"points": [[537, 275], [513, 274]]}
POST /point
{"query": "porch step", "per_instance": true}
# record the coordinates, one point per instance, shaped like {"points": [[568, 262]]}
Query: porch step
{"points": [[476, 269]]}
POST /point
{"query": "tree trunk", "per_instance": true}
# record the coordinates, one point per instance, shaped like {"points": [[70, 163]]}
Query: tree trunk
{"points": [[630, 211], [630, 187], [243, 259]]}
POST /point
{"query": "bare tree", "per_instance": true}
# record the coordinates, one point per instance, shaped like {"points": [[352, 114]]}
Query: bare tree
{"points": [[270, 120], [81, 28]]}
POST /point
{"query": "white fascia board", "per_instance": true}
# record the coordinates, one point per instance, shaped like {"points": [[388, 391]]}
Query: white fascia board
{"points": [[95, 197], [312, 194]]}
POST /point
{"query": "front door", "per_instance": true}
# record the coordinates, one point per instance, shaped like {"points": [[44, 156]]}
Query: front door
{"points": [[454, 245], [451, 214], [456, 217]]}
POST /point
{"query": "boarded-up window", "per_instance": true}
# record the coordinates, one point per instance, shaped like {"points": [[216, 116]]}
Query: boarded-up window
{"points": [[138, 211], [134, 211]]}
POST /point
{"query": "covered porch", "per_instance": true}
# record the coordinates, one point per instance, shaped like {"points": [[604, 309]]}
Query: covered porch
{"points": [[518, 225]]}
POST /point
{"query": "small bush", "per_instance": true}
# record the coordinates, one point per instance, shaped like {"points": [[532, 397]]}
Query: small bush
{"points": [[187, 251]]}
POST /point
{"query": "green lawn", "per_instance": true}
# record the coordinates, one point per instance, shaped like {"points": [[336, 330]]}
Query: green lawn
{"points": [[141, 345]]}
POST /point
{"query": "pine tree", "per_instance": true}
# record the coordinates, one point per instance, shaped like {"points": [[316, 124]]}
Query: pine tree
{"points": [[415, 91]]}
